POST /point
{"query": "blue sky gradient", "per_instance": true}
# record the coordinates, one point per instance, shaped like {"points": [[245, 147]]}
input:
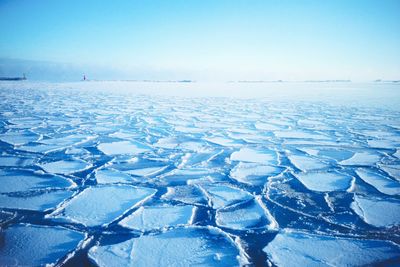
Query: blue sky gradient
{"points": [[208, 39]]}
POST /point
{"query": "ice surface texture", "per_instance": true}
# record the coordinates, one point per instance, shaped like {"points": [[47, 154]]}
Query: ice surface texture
{"points": [[180, 247], [300, 249], [149, 177], [29, 245]]}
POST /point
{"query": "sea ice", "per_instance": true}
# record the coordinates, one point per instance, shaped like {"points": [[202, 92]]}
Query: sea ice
{"points": [[123, 147], [267, 127], [377, 212], [382, 183], [244, 216], [16, 181], [306, 164], [224, 195], [222, 141], [15, 161], [253, 173], [148, 218], [65, 166], [32, 245], [362, 159], [191, 246], [300, 135], [325, 181], [178, 176], [35, 201], [17, 138], [392, 170], [100, 205], [300, 249], [255, 156], [149, 171], [109, 176], [188, 194]]}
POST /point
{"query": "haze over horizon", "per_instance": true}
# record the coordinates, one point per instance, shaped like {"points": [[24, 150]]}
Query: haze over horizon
{"points": [[201, 40]]}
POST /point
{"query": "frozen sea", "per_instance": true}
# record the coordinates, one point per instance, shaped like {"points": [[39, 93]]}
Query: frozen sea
{"points": [[206, 174]]}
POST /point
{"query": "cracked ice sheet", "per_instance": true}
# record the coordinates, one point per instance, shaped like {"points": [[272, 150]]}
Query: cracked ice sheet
{"points": [[101, 205], [306, 164], [179, 176], [148, 218], [362, 159], [377, 212], [222, 141], [65, 166], [253, 173], [31, 245], [256, 156], [17, 180], [244, 216], [381, 183], [192, 246], [326, 181], [15, 161], [187, 194], [19, 138], [109, 176], [224, 195], [35, 201], [392, 170], [300, 135], [301, 249], [123, 147]]}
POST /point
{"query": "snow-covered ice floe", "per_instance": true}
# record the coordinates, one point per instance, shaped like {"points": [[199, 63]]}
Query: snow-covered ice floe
{"points": [[377, 211], [65, 166], [253, 173], [380, 182], [122, 147], [245, 216], [148, 218], [325, 181], [34, 245], [192, 246], [291, 248], [101, 205]]}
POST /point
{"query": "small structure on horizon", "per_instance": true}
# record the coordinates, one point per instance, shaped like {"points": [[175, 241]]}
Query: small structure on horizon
{"points": [[13, 78]]}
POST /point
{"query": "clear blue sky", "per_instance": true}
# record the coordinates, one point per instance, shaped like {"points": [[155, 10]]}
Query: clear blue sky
{"points": [[209, 39]]}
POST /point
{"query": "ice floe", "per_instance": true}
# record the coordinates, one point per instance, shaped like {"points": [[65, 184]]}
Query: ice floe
{"points": [[301, 249], [33, 245], [109, 176], [362, 159], [148, 218], [178, 247], [100, 205], [19, 137], [306, 164], [123, 147], [35, 201], [253, 173], [380, 182], [325, 181], [224, 195], [17, 180], [244, 216], [188, 194], [377, 212], [65, 166], [256, 156]]}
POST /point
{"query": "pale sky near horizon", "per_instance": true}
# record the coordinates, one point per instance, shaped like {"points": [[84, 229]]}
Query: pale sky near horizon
{"points": [[209, 39]]}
